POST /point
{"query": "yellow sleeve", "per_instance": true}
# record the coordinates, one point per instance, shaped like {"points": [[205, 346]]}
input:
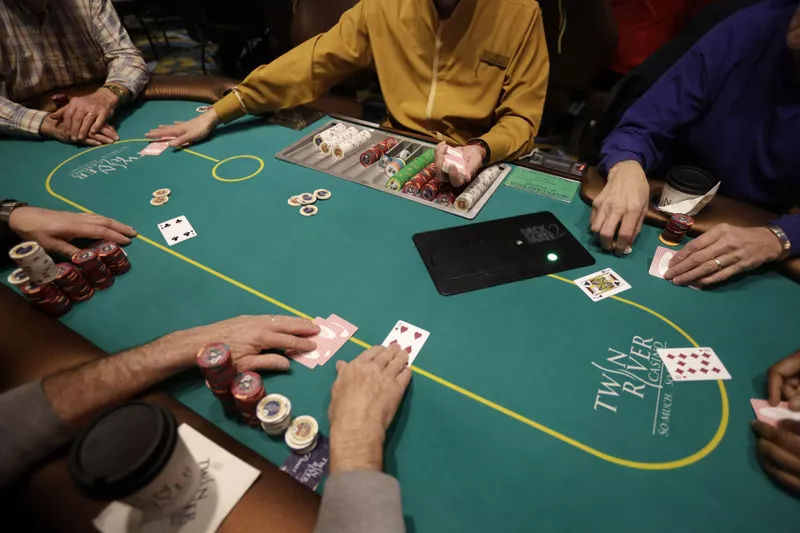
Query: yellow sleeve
{"points": [[519, 113], [304, 73]]}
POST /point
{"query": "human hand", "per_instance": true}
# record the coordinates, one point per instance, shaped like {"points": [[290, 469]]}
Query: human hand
{"points": [[54, 230], [473, 161], [86, 115], [736, 250], [186, 133], [56, 130], [364, 400], [247, 337], [622, 203], [783, 381], [778, 452]]}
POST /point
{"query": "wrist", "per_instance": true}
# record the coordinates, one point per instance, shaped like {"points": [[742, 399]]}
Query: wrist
{"points": [[357, 448], [179, 349], [212, 118], [111, 94], [13, 217], [626, 170], [779, 245]]}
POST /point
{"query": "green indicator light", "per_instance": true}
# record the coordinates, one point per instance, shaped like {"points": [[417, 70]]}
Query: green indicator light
{"points": [[552, 257]]}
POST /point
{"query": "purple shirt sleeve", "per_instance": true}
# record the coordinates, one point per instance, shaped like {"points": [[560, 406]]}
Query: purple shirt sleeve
{"points": [[790, 224]]}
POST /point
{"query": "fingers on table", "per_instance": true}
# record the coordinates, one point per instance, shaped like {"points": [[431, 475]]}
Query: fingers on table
{"points": [[86, 123], [63, 248], [99, 121], [628, 229], [606, 233], [267, 361], [398, 362]]}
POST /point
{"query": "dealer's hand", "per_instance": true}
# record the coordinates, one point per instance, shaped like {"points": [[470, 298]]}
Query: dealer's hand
{"points": [[779, 452], [783, 381], [620, 208], [86, 115], [722, 252], [57, 130], [364, 400], [186, 133], [54, 230], [473, 158]]}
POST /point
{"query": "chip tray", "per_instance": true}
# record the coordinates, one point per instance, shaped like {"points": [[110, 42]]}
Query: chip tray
{"points": [[306, 153]]}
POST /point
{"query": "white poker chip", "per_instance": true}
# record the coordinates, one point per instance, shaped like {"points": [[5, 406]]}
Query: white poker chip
{"points": [[203, 108], [322, 194], [628, 250], [294, 201], [306, 198], [159, 200], [161, 192], [309, 210]]}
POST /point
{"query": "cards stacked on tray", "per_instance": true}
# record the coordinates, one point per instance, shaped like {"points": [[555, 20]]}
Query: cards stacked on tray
{"points": [[334, 332]]}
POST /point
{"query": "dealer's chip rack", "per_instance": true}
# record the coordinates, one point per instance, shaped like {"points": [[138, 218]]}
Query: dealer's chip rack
{"points": [[306, 154]]}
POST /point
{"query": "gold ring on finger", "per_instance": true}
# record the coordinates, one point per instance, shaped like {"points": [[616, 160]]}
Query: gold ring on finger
{"points": [[719, 265]]}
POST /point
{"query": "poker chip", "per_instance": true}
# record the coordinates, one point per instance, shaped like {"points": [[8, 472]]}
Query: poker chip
{"points": [[93, 269], [159, 200], [294, 201], [18, 277], [47, 298], [161, 192], [309, 210], [479, 185], [35, 261], [215, 361], [274, 411], [247, 390], [676, 229], [306, 198], [203, 108], [72, 283], [114, 257], [303, 434], [628, 250], [322, 194]]}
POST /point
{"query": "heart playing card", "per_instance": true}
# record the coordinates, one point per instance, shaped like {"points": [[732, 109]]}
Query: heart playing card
{"points": [[176, 230], [409, 337], [660, 263], [773, 415], [693, 364], [602, 284]]}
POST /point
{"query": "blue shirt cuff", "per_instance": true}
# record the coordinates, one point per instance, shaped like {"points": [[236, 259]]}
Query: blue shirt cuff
{"points": [[790, 224], [609, 160]]}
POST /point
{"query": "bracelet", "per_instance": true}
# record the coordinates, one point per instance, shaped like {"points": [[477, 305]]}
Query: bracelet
{"points": [[7, 207], [785, 243]]}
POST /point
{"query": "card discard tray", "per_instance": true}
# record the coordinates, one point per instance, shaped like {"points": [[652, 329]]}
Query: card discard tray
{"points": [[306, 153], [477, 256]]}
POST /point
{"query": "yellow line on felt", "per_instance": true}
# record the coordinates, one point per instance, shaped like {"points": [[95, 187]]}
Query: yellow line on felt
{"points": [[198, 154], [669, 465]]}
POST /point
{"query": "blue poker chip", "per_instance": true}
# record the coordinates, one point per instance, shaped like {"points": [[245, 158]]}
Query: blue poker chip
{"points": [[322, 194], [306, 198], [309, 210]]}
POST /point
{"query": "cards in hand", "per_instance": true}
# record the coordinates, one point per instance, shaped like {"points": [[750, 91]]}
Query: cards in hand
{"points": [[334, 332], [409, 337], [602, 284], [660, 263], [693, 364], [773, 415], [176, 230]]}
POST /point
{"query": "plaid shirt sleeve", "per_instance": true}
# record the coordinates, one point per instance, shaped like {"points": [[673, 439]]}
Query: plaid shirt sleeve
{"points": [[16, 119], [126, 65]]}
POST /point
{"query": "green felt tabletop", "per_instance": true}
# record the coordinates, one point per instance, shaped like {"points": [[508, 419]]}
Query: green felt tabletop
{"points": [[527, 411]]}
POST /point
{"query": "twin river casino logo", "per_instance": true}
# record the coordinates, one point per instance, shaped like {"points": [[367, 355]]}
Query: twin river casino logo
{"points": [[636, 376], [117, 159]]}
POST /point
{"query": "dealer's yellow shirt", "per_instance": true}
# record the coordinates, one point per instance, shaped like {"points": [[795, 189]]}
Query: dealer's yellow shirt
{"points": [[482, 73]]}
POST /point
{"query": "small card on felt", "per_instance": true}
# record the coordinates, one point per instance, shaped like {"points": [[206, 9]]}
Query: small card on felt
{"points": [[693, 364], [602, 284], [409, 337], [176, 230]]}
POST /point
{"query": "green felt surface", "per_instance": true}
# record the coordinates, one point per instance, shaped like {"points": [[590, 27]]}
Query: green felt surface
{"points": [[501, 428]]}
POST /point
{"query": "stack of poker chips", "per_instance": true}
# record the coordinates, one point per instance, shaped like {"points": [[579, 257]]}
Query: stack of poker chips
{"points": [[405, 174], [72, 283], [247, 390], [216, 363], [477, 187], [447, 197], [303, 434], [274, 411], [32, 258], [93, 269], [327, 145], [395, 164], [114, 257], [676, 229], [416, 184], [47, 297], [60, 100], [431, 190], [327, 134], [350, 145], [374, 154]]}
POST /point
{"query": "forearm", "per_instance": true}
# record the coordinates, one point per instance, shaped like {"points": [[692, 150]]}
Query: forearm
{"points": [[16, 119], [511, 138], [125, 64], [361, 501]]}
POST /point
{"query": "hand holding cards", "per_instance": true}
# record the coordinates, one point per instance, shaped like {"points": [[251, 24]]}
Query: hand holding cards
{"points": [[334, 332]]}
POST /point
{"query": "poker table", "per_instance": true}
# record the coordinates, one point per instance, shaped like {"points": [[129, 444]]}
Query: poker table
{"points": [[531, 407]]}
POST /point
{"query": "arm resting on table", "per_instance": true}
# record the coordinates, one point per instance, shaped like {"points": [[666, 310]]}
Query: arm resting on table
{"points": [[16, 119], [361, 501]]}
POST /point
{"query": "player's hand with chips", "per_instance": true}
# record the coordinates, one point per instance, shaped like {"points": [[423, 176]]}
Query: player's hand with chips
{"points": [[472, 155], [54, 230], [618, 211], [723, 252], [56, 129], [87, 115], [364, 400], [185, 133]]}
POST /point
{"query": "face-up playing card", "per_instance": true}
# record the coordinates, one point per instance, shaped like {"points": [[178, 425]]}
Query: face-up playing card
{"points": [[328, 341], [155, 148], [693, 364], [773, 415], [660, 263], [176, 230], [409, 337], [601, 285]]}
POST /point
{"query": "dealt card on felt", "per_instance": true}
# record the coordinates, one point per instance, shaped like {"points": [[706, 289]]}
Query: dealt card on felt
{"points": [[409, 337], [693, 364], [330, 338], [602, 284], [176, 230], [773, 415], [155, 148], [660, 263]]}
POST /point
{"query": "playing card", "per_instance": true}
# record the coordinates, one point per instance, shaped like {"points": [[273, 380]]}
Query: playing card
{"points": [[328, 341], [773, 415], [176, 230], [310, 468], [660, 263], [602, 284], [693, 364], [349, 329], [408, 337], [155, 148]]}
